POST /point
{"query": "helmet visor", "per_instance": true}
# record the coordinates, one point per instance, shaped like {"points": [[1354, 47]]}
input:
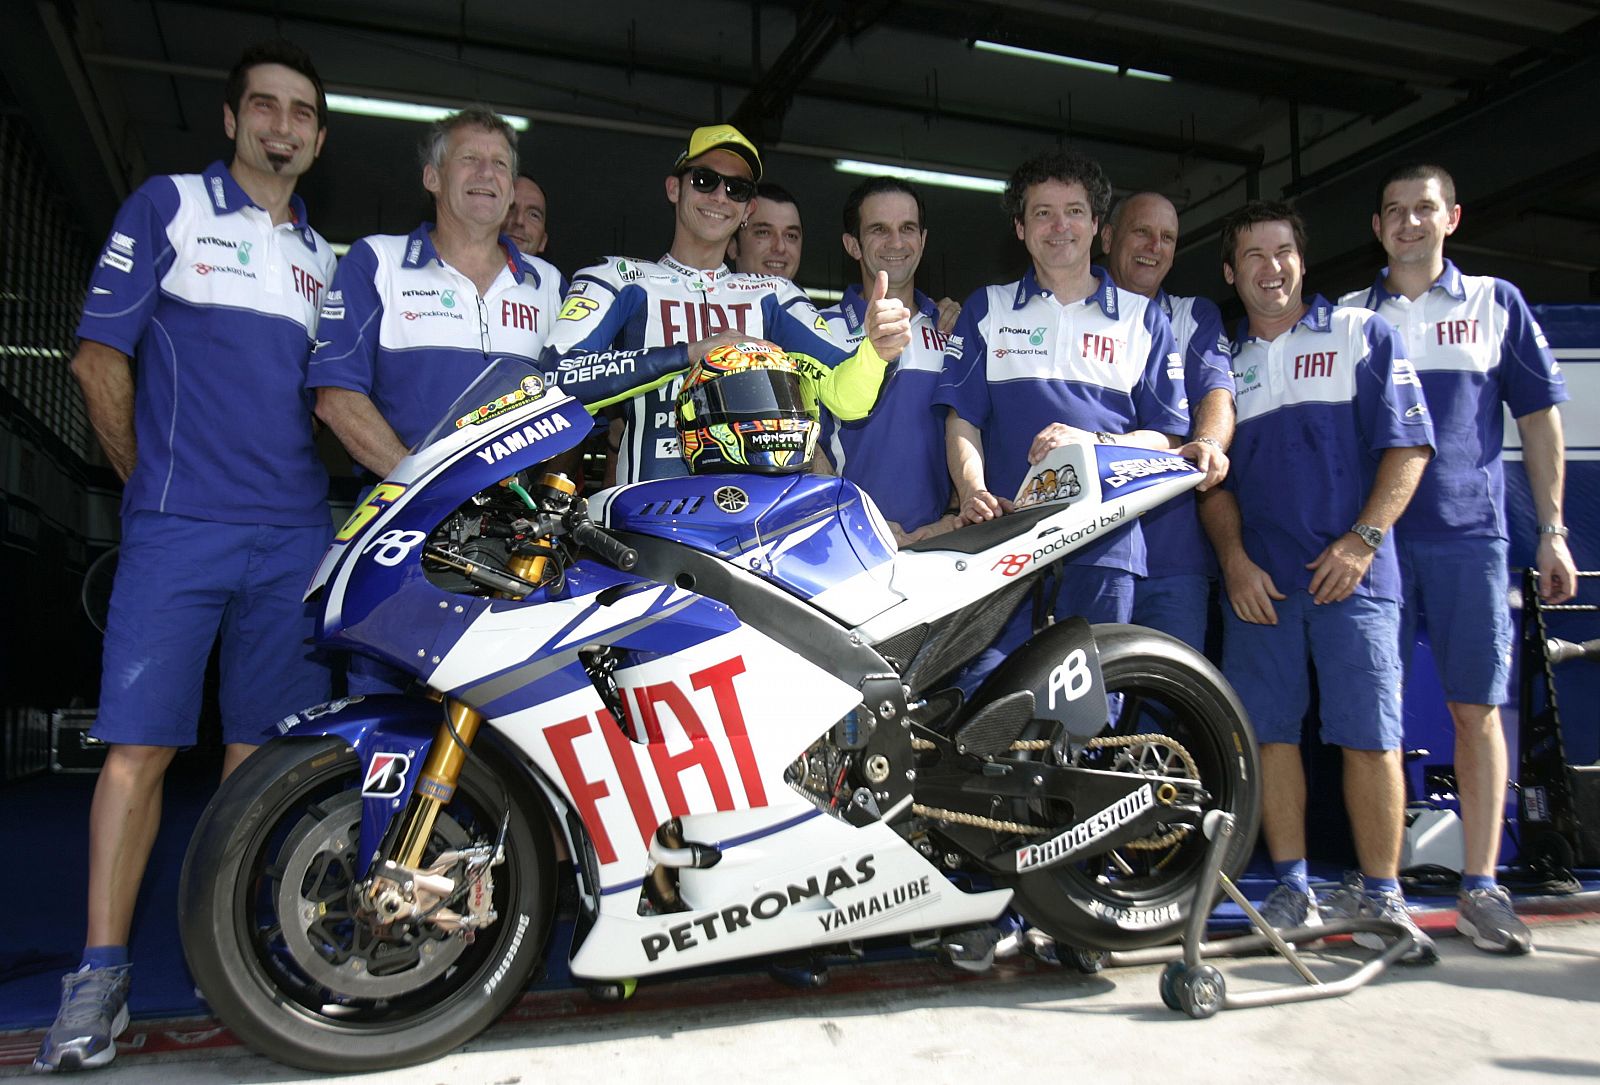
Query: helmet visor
{"points": [[748, 395]]}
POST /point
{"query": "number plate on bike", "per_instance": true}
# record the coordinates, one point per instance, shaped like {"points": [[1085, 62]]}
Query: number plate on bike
{"points": [[1073, 692]]}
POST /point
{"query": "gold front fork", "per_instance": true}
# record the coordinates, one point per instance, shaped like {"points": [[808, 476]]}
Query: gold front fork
{"points": [[436, 785]]}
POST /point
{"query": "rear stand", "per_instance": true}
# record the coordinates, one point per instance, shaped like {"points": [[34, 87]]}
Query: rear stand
{"points": [[1200, 990]]}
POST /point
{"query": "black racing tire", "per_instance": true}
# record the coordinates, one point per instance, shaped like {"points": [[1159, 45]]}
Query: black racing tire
{"points": [[283, 828], [1168, 688]]}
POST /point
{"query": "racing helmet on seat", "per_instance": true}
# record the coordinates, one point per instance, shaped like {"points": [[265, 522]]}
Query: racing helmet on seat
{"points": [[743, 407]]}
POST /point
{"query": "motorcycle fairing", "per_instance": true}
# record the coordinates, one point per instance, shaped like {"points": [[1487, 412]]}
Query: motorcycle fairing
{"points": [[790, 877], [380, 601], [935, 578], [391, 734], [818, 538]]}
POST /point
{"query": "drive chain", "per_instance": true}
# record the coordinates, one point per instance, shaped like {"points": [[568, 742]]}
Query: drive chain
{"points": [[1039, 745]]}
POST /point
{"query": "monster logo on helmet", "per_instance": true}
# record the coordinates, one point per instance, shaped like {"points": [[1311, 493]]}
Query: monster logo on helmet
{"points": [[745, 407]]}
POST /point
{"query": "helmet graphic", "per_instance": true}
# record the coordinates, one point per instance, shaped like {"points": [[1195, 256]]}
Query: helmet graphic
{"points": [[743, 408]]}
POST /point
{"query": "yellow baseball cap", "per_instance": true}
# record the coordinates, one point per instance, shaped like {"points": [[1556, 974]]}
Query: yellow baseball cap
{"points": [[707, 139]]}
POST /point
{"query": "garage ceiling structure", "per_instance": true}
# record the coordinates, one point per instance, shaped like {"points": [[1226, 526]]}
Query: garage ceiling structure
{"points": [[1208, 101]]}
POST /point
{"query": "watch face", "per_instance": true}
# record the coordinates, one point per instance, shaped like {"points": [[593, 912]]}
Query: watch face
{"points": [[1369, 535]]}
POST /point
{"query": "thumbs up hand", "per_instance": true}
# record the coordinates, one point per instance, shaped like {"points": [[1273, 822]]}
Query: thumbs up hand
{"points": [[888, 320]]}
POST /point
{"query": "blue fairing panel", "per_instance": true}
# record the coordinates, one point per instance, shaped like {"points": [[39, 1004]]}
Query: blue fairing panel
{"points": [[805, 533]]}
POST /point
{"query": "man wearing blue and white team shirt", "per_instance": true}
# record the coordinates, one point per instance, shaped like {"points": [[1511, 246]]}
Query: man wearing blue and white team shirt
{"points": [[1332, 436], [1139, 241], [629, 321], [412, 320], [896, 453], [1063, 354], [1475, 346], [212, 282], [1060, 355]]}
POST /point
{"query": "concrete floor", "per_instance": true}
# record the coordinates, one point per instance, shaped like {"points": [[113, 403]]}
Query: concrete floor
{"points": [[1471, 1018]]}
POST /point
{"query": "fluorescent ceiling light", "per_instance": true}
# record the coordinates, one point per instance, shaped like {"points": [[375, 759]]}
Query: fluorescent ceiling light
{"points": [[817, 293], [926, 177], [402, 111], [1071, 62], [339, 247]]}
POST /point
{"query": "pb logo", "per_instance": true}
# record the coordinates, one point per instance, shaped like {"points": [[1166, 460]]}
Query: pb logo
{"points": [[1014, 564], [577, 308], [386, 776]]}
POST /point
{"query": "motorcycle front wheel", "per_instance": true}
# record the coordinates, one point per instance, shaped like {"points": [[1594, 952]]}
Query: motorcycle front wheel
{"points": [[266, 910]]}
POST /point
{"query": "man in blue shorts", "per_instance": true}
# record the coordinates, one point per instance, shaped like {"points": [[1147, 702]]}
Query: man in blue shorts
{"points": [[896, 453], [1139, 241], [1332, 437], [413, 319], [1475, 346], [212, 282], [623, 317]]}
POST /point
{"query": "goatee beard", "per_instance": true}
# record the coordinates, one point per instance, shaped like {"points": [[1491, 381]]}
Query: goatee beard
{"points": [[278, 161]]}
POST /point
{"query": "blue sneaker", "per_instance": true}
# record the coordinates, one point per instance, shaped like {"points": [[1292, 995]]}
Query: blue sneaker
{"points": [[1287, 907], [975, 949], [94, 1011], [1391, 906]]}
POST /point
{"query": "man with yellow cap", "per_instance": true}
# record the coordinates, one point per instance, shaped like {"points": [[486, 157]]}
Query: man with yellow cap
{"points": [[621, 314]]}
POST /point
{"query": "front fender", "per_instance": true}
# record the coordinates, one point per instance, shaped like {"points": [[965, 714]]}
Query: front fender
{"points": [[391, 734]]}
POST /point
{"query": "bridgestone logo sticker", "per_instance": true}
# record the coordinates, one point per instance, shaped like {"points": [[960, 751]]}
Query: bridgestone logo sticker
{"points": [[1081, 835]]}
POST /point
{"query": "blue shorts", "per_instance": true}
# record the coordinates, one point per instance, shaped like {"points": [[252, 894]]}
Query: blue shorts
{"points": [[179, 583], [1087, 591], [1354, 645], [1457, 590], [1174, 604]]}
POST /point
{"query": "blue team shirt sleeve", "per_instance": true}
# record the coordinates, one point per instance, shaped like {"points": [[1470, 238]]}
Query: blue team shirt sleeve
{"points": [[964, 379], [581, 356], [1530, 378], [1390, 406], [126, 283], [1158, 400], [346, 355], [1207, 364]]}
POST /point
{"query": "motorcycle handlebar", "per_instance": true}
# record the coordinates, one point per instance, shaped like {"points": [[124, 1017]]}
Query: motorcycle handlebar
{"points": [[587, 534]]}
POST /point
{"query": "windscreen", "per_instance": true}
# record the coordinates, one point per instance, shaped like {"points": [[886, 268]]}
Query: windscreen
{"points": [[507, 383]]}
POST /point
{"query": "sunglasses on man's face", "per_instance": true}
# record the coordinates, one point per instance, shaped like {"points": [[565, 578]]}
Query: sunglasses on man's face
{"points": [[706, 180]]}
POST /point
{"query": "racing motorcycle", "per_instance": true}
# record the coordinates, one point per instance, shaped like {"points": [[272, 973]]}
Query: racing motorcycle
{"points": [[729, 697]]}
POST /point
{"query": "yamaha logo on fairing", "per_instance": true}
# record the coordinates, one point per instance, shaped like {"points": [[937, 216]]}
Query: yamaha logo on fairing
{"points": [[730, 499], [520, 439], [768, 905], [1081, 835]]}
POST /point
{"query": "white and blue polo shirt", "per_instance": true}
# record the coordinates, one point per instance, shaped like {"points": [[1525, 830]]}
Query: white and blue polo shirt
{"points": [[411, 332], [1475, 345], [896, 454], [219, 307], [1018, 361], [1172, 532], [1317, 407], [624, 319]]}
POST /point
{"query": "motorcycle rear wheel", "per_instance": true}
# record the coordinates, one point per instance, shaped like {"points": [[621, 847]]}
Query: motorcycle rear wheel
{"points": [[264, 910], [1130, 898]]}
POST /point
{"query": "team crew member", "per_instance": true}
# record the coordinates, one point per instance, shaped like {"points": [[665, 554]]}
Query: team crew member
{"points": [[527, 222], [413, 319], [625, 321], [1332, 436], [896, 453], [1475, 345], [1139, 240], [769, 241], [1063, 354], [212, 281]]}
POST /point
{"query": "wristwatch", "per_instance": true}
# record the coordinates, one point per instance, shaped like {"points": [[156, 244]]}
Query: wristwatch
{"points": [[1372, 536], [1553, 529]]}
